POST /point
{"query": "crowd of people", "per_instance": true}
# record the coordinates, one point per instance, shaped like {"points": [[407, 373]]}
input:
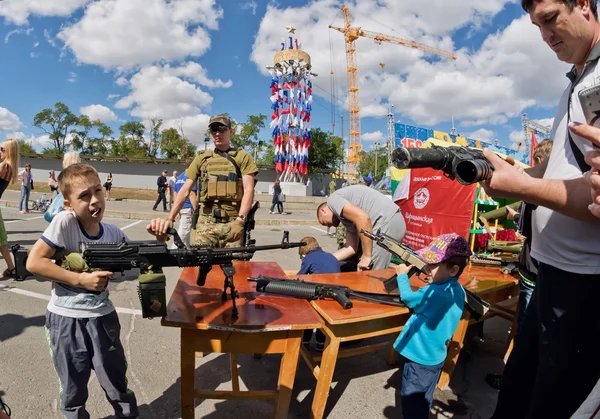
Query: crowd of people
{"points": [[554, 368]]}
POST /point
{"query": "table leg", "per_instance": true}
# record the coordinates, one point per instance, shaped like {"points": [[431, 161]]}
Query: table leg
{"points": [[511, 336], [454, 351], [287, 374], [328, 361], [188, 369], [235, 378]]}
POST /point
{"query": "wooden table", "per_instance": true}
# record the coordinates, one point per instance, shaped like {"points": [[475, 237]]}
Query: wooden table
{"points": [[366, 320], [267, 324]]}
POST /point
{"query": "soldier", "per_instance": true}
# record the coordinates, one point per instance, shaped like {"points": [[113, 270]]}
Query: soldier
{"points": [[225, 194]]}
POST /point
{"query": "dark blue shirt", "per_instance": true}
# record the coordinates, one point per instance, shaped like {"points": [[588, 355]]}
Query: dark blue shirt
{"points": [[319, 262]]}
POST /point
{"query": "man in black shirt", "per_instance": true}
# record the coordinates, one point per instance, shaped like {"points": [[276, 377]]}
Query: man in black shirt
{"points": [[161, 184]]}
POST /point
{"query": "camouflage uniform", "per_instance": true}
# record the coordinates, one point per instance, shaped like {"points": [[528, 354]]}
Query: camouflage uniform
{"points": [[219, 201], [340, 235]]}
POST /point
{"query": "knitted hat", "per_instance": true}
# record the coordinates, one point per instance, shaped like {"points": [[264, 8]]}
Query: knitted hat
{"points": [[444, 247]]}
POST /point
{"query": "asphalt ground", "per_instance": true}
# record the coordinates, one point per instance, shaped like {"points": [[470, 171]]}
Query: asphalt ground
{"points": [[363, 386]]}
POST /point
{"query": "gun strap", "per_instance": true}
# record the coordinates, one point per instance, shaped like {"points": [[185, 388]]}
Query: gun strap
{"points": [[583, 166]]}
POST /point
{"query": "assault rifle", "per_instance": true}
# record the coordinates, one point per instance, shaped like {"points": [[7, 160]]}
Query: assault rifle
{"points": [[151, 256], [476, 306], [317, 291], [464, 164]]}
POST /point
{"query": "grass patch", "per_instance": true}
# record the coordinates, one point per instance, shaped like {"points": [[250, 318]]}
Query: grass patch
{"points": [[115, 193]]}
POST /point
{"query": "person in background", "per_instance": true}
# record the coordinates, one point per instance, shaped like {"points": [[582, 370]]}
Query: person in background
{"points": [[437, 309], [359, 207], [315, 261], [108, 185], [171, 187], [53, 185], [9, 153], [528, 266], [186, 214], [276, 198], [70, 158], [161, 187], [26, 186]]}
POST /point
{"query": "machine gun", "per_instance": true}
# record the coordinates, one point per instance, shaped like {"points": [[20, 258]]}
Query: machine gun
{"points": [[476, 306], [151, 256], [464, 164], [317, 291]]}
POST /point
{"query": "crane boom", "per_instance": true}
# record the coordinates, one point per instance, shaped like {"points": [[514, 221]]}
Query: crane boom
{"points": [[351, 34]]}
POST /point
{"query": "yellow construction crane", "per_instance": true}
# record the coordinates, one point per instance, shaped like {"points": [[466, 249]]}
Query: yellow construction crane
{"points": [[352, 34]]}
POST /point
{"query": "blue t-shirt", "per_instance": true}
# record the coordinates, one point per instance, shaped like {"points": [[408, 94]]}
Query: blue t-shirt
{"points": [[178, 184], [437, 308], [319, 262]]}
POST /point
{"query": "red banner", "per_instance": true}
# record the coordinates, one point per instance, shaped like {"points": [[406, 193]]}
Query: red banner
{"points": [[435, 205]]}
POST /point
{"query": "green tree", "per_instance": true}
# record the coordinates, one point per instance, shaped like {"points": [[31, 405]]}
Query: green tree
{"points": [[175, 146], [81, 135], [155, 136], [326, 151], [57, 124], [267, 158], [246, 135], [367, 163], [131, 141], [25, 147], [99, 146]]}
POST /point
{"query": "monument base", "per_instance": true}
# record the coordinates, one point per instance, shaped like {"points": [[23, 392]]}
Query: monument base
{"points": [[295, 189]]}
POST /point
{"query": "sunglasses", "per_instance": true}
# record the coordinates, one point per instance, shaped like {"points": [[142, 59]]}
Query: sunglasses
{"points": [[2, 149], [220, 128]]}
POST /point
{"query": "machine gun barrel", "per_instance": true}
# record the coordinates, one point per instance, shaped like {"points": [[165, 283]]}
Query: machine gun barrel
{"points": [[461, 163]]}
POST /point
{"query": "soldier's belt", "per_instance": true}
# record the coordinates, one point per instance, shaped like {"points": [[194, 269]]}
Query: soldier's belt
{"points": [[213, 214]]}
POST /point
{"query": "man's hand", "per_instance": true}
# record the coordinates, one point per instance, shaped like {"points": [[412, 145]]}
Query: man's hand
{"points": [[364, 264], [511, 213], [506, 180], [237, 230], [592, 158], [158, 227], [403, 269], [94, 281]]}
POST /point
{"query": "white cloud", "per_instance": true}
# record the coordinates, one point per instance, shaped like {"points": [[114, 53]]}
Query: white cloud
{"points": [[18, 11], [33, 54], [15, 32], [72, 78], [122, 81], [49, 38], [16, 135], [194, 127], [122, 34], [251, 5], [169, 92], [36, 44], [374, 136], [98, 113], [514, 69], [482, 134], [8, 120], [112, 96]]}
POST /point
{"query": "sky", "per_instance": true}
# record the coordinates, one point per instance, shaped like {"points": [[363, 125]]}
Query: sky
{"points": [[185, 60]]}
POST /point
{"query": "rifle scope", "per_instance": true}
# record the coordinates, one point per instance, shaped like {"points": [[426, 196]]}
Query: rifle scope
{"points": [[468, 166]]}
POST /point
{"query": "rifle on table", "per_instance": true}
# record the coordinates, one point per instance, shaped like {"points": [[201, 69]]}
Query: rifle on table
{"points": [[464, 164], [317, 291], [151, 256], [476, 306]]}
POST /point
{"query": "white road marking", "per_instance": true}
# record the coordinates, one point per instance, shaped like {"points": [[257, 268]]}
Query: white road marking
{"points": [[26, 293], [25, 219], [132, 224], [319, 229]]}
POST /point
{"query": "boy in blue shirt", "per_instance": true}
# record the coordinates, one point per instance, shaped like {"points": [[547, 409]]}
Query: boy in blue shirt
{"points": [[316, 261], [437, 308]]}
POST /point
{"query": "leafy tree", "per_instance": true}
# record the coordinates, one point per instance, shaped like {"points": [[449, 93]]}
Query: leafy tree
{"points": [[100, 145], [245, 135], [326, 151], [81, 135], [267, 158], [367, 163], [155, 136], [131, 142], [56, 123], [25, 147], [176, 146]]}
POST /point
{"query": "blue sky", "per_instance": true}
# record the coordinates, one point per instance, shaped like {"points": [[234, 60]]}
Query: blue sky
{"points": [[184, 60]]}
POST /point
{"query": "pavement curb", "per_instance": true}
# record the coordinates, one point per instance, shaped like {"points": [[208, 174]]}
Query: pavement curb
{"points": [[150, 216]]}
